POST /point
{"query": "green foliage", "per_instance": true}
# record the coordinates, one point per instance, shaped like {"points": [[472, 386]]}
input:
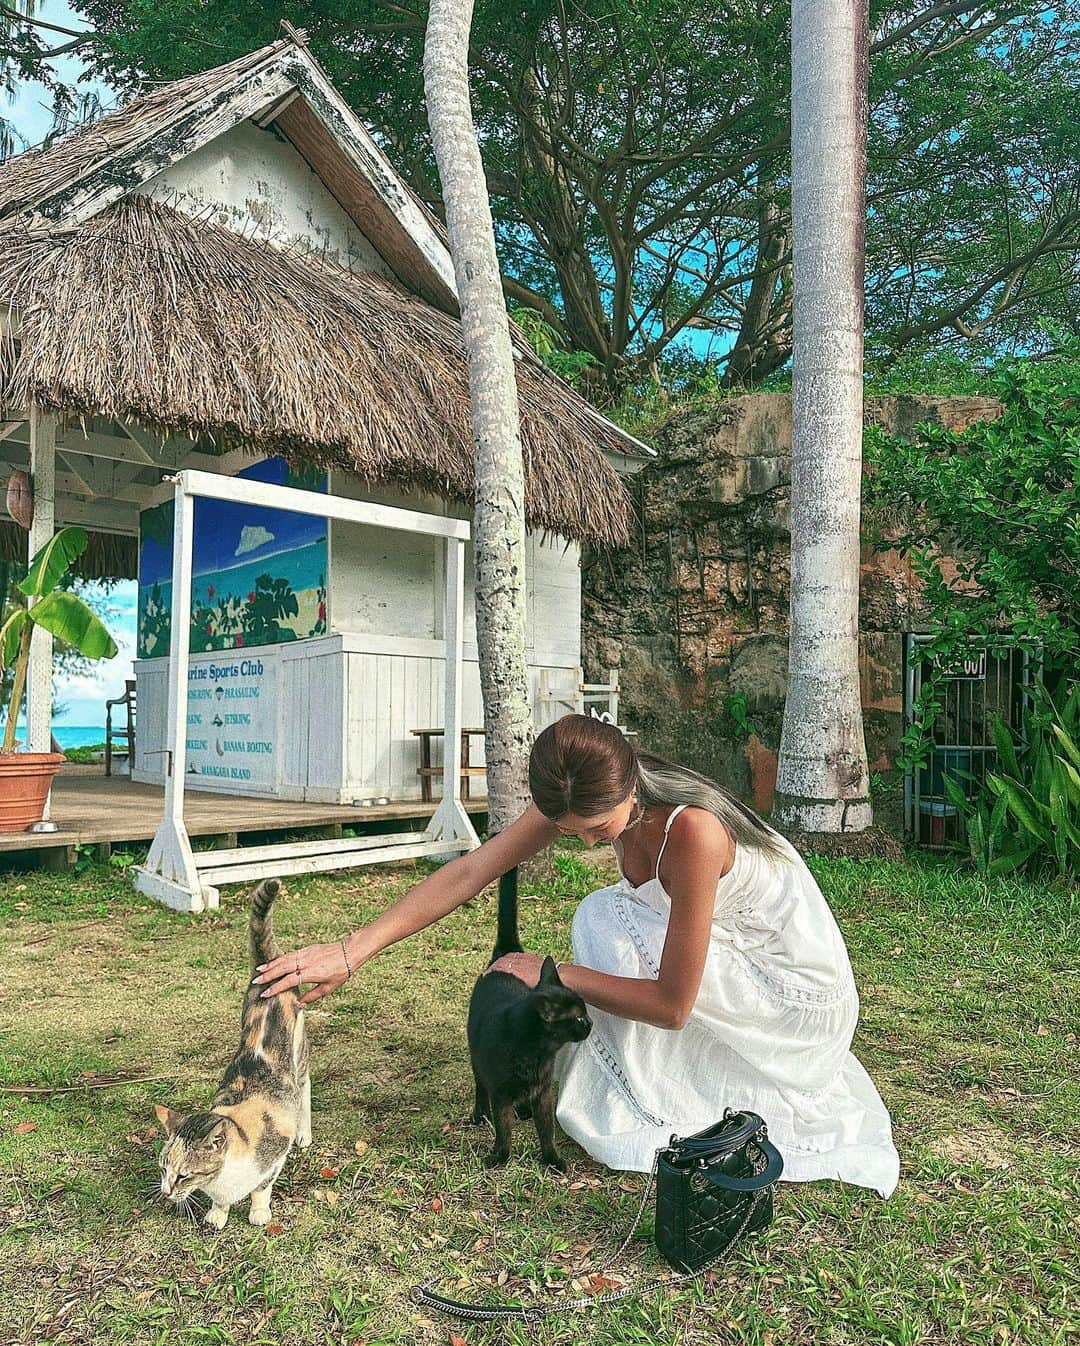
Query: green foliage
{"points": [[547, 343], [637, 155], [66, 616], [990, 519], [737, 711], [53, 562], [86, 753], [1027, 815]]}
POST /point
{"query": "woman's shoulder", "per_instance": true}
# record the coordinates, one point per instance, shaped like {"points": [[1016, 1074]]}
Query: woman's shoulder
{"points": [[697, 836]]}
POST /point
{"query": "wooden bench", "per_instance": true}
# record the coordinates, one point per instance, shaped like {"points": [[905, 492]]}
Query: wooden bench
{"points": [[427, 772]]}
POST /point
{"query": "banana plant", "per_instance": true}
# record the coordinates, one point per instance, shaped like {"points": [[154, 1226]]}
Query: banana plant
{"points": [[63, 614]]}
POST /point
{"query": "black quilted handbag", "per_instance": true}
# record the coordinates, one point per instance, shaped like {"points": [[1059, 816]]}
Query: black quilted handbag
{"points": [[712, 1187]]}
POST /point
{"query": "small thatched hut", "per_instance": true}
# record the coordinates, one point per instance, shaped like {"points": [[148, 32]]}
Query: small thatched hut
{"points": [[227, 273]]}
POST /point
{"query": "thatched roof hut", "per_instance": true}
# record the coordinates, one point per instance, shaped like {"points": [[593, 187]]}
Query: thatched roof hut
{"points": [[130, 305]]}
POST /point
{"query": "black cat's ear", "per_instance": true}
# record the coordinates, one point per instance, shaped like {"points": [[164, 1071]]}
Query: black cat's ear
{"points": [[549, 973]]}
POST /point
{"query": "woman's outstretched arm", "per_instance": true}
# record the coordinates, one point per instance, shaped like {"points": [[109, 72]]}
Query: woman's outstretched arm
{"points": [[326, 966]]}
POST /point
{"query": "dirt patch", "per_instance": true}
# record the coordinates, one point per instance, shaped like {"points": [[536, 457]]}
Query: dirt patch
{"points": [[984, 1145]]}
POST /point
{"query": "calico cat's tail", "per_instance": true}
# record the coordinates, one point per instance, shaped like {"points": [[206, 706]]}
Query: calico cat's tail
{"points": [[507, 940], [263, 944]]}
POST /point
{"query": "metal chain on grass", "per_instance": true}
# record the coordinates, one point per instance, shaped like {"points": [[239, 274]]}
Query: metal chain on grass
{"points": [[424, 1296]]}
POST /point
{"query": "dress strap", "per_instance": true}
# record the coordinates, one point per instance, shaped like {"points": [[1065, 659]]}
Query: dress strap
{"points": [[667, 828]]}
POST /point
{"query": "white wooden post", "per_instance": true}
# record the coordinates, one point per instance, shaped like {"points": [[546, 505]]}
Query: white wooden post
{"points": [[171, 858], [39, 678], [450, 820], [172, 873]]}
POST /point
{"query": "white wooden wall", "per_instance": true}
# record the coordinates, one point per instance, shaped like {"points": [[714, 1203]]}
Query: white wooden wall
{"points": [[251, 181], [346, 708], [347, 702]]}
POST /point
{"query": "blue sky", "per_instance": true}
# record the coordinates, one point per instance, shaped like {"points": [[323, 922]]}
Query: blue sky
{"points": [[81, 697], [30, 111]]}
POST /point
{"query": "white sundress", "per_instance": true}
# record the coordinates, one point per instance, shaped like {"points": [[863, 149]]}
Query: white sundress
{"points": [[770, 1030]]}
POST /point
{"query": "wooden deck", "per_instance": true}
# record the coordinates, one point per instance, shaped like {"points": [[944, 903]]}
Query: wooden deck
{"points": [[98, 810]]}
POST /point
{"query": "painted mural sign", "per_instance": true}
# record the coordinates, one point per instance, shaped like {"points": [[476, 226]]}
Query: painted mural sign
{"points": [[258, 575], [232, 721]]}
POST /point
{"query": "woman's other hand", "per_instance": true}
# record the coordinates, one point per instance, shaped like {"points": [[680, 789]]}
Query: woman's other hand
{"points": [[525, 966]]}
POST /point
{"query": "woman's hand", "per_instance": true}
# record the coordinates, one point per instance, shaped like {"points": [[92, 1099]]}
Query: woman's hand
{"points": [[323, 965], [525, 966]]}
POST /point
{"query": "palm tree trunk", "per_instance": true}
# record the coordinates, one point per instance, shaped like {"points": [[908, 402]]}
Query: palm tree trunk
{"points": [[499, 527], [822, 779]]}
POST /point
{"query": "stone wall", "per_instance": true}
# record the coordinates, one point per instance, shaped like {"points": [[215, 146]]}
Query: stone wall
{"points": [[695, 612]]}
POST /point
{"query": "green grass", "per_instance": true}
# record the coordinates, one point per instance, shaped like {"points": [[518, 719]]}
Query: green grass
{"points": [[968, 1026]]}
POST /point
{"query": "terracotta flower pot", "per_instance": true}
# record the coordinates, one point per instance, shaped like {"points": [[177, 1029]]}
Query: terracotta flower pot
{"points": [[25, 781]]}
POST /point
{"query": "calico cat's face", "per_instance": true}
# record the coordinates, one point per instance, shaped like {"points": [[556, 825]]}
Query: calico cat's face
{"points": [[193, 1153]]}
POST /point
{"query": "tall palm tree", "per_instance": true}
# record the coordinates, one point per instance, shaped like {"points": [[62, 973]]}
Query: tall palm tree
{"points": [[822, 778], [499, 527]]}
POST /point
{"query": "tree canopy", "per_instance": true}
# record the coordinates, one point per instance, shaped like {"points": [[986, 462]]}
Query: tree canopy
{"points": [[637, 155]]}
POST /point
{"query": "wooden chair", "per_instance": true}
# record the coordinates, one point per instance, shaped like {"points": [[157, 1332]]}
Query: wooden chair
{"points": [[124, 732]]}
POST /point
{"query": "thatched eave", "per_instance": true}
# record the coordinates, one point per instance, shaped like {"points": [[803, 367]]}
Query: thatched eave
{"points": [[145, 314]]}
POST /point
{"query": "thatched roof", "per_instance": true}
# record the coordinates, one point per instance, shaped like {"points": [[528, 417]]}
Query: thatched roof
{"points": [[108, 556], [34, 179], [132, 310], [145, 313]]}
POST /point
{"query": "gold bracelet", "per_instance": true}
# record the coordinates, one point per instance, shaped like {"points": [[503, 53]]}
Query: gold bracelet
{"points": [[348, 965]]}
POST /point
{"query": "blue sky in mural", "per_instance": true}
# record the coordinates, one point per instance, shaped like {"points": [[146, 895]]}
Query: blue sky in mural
{"points": [[237, 549], [229, 533]]}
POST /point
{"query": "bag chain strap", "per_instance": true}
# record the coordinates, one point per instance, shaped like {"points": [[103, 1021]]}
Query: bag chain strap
{"points": [[532, 1313]]}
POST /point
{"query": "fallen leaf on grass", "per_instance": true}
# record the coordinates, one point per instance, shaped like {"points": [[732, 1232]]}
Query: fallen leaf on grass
{"points": [[24, 1128], [328, 1172], [436, 1205], [1042, 1031], [455, 1340], [361, 1147], [274, 1228]]}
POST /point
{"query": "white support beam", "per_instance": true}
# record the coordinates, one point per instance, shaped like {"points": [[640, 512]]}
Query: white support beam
{"points": [[173, 873], [102, 516], [39, 680], [170, 869], [322, 506], [450, 818]]}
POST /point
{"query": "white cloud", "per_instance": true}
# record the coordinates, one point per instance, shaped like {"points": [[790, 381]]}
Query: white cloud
{"points": [[252, 538], [83, 695]]}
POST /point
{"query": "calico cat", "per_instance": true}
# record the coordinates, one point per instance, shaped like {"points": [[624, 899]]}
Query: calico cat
{"points": [[262, 1106], [514, 1033]]}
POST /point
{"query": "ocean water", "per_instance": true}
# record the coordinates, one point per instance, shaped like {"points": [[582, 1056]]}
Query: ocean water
{"points": [[79, 735]]}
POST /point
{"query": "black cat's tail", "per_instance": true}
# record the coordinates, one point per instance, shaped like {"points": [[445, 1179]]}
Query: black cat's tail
{"points": [[508, 940], [264, 946]]}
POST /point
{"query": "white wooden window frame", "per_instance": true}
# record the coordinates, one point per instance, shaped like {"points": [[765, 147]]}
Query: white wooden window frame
{"points": [[187, 880]]}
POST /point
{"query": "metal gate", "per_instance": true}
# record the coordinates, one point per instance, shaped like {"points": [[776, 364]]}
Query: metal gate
{"points": [[978, 685]]}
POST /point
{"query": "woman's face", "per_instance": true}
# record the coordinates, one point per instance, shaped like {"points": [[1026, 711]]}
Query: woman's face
{"points": [[602, 827]]}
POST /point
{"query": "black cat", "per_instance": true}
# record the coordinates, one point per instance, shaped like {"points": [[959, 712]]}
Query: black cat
{"points": [[514, 1034]]}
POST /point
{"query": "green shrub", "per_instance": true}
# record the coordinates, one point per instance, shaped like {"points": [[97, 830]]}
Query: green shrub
{"points": [[1027, 813]]}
